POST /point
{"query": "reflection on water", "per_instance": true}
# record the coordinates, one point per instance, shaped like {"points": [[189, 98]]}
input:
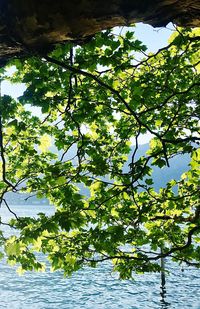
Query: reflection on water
{"points": [[163, 294], [98, 288]]}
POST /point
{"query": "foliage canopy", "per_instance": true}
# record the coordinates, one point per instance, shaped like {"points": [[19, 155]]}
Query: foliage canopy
{"points": [[96, 101]]}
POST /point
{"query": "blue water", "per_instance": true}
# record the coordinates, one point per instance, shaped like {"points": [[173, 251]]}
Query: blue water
{"points": [[96, 288]]}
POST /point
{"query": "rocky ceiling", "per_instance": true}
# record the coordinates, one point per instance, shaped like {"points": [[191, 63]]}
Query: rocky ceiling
{"points": [[33, 25]]}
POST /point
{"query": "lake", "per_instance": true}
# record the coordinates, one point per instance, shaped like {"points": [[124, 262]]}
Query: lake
{"points": [[96, 288]]}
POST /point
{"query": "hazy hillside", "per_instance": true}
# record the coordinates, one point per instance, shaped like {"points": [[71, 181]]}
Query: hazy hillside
{"points": [[178, 165]]}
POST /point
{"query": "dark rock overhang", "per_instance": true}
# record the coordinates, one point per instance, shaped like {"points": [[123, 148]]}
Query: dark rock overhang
{"points": [[33, 25]]}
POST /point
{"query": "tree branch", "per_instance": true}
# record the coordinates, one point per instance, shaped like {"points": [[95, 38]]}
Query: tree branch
{"points": [[9, 184], [104, 85]]}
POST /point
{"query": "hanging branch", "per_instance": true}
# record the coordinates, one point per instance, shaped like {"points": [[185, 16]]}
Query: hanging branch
{"points": [[10, 210], [9, 184], [70, 82]]}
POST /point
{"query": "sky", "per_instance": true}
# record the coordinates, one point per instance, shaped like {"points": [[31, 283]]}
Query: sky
{"points": [[154, 38]]}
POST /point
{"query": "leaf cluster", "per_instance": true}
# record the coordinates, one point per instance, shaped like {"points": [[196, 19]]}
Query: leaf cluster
{"points": [[96, 100]]}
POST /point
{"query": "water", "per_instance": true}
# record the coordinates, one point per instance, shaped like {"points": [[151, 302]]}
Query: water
{"points": [[97, 288]]}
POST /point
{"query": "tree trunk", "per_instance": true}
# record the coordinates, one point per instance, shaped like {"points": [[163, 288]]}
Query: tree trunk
{"points": [[32, 25]]}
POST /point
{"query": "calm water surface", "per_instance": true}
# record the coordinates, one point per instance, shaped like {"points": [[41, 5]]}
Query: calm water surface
{"points": [[96, 288]]}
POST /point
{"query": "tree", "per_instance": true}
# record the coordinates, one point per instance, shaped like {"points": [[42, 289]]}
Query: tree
{"points": [[96, 100]]}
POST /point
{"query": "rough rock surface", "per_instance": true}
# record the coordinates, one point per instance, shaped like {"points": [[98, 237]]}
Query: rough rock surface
{"points": [[28, 25]]}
